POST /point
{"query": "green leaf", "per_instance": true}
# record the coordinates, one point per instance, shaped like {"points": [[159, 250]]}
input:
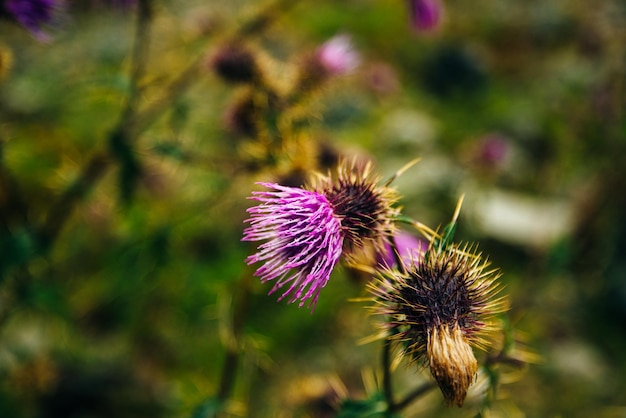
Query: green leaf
{"points": [[447, 236], [374, 407], [209, 408]]}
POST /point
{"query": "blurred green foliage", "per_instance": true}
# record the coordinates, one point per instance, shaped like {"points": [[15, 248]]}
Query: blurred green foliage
{"points": [[126, 309]]}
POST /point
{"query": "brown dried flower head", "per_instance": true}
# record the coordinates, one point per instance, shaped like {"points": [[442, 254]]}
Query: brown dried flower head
{"points": [[438, 310]]}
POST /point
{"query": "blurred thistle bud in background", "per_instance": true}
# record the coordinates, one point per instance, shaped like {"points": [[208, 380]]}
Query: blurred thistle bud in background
{"points": [[438, 310], [241, 116], [425, 15], [34, 15], [235, 63]]}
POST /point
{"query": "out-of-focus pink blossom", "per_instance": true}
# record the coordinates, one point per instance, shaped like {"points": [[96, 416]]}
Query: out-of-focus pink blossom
{"points": [[338, 56], [493, 150]]}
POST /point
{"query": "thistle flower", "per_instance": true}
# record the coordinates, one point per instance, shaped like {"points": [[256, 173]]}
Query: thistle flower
{"points": [[303, 236], [308, 229], [438, 310], [425, 14], [32, 14]]}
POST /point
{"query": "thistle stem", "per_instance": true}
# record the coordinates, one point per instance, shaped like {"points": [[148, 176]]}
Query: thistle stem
{"points": [[413, 396], [387, 384], [233, 347]]}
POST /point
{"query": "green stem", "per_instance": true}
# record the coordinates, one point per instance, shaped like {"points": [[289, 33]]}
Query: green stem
{"points": [[233, 347], [387, 384], [413, 396]]}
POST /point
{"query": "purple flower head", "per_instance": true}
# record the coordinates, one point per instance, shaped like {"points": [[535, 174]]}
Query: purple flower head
{"points": [[337, 55], [410, 248], [303, 240], [33, 14], [425, 14]]}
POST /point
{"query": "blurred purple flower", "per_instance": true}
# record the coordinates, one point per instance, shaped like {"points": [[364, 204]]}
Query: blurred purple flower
{"points": [[425, 14], [337, 55], [493, 150], [410, 248], [32, 14], [303, 240]]}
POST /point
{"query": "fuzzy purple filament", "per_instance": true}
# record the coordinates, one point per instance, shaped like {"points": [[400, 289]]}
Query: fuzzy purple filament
{"points": [[303, 240]]}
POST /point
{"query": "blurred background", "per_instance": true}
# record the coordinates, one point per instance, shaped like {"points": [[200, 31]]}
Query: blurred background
{"points": [[121, 261]]}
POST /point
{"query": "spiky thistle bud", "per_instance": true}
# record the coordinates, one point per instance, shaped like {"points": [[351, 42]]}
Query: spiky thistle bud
{"points": [[366, 208], [438, 310]]}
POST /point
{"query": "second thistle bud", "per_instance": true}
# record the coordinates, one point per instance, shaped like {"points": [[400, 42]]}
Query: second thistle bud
{"points": [[438, 310], [365, 208]]}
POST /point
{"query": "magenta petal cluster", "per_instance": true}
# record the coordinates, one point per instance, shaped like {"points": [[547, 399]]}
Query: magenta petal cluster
{"points": [[303, 241], [337, 55]]}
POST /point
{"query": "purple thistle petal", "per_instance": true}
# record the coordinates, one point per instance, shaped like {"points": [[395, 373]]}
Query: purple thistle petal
{"points": [[303, 240], [410, 249]]}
